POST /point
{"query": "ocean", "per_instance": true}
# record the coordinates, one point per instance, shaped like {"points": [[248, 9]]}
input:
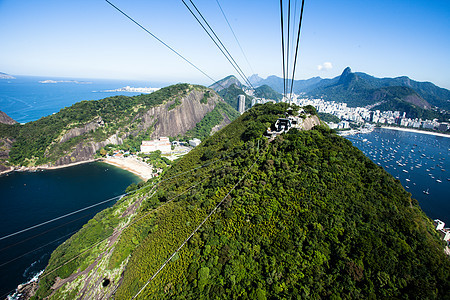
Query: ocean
{"points": [[26, 99], [420, 161]]}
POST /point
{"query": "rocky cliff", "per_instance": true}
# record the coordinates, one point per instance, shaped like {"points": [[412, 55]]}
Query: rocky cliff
{"points": [[182, 117], [5, 119]]}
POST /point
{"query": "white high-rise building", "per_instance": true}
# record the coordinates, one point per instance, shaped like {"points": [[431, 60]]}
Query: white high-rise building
{"points": [[241, 104], [162, 144]]}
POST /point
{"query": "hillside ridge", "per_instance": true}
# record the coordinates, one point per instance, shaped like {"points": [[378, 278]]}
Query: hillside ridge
{"points": [[313, 218], [76, 133]]}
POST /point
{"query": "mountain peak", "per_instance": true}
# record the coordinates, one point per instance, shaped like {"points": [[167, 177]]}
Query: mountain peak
{"points": [[255, 79], [346, 72], [225, 83], [346, 76]]}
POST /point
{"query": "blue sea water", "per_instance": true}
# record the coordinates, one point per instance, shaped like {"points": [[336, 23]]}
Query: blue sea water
{"points": [[30, 198], [420, 161], [25, 99]]}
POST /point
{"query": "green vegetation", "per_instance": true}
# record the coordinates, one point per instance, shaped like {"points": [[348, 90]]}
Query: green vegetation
{"points": [[412, 111], [156, 160], [176, 103], [205, 98], [39, 143], [230, 95], [329, 118], [203, 128], [314, 218], [267, 92], [92, 233]]}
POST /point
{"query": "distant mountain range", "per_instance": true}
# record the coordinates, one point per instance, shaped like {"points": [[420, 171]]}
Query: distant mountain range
{"points": [[418, 99], [6, 76], [361, 89]]}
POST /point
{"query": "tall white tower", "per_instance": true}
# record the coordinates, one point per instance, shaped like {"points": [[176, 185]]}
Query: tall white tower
{"points": [[241, 104]]}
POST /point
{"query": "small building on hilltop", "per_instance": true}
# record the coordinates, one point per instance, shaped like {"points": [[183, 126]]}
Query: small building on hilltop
{"points": [[444, 232], [194, 142], [162, 144]]}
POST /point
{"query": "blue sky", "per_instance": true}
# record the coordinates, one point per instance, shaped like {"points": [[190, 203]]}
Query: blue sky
{"points": [[89, 39]]}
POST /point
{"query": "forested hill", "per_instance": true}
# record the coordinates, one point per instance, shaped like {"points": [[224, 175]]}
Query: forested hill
{"points": [[304, 216], [75, 133]]}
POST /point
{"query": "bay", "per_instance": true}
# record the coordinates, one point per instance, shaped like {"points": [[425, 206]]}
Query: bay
{"points": [[420, 161], [30, 198]]}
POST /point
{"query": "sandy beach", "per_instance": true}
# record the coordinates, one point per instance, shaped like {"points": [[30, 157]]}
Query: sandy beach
{"points": [[417, 131], [131, 164]]}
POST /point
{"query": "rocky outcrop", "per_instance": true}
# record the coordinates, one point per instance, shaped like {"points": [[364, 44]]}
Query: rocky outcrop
{"points": [[181, 118], [310, 122], [5, 148], [164, 120], [74, 132], [226, 120], [85, 151], [5, 119]]}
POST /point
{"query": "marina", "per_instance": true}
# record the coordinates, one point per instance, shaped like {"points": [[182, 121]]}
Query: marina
{"points": [[419, 161]]}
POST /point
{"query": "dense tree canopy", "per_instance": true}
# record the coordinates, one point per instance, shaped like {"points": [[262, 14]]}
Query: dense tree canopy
{"points": [[314, 218]]}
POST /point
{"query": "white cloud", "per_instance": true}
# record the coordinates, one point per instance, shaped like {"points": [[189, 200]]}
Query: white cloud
{"points": [[325, 66]]}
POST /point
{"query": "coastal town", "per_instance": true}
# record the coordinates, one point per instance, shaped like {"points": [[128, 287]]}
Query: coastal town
{"points": [[360, 116]]}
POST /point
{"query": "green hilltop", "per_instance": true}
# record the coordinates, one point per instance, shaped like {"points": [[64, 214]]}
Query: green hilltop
{"points": [[312, 218], [76, 133]]}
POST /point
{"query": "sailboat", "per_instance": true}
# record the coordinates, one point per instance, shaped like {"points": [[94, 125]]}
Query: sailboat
{"points": [[426, 192]]}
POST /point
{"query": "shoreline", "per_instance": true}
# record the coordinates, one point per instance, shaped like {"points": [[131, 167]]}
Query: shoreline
{"points": [[131, 164], [416, 131], [44, 167]]}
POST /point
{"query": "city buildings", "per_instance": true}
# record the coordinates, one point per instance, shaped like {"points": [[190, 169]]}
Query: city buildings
{"points": [[194, 142], [362, 115], [241, 104]]}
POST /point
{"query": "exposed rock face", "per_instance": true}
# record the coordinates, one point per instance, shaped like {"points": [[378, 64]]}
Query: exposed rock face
{"points": [[165, 122], [222, 124], [85, 151], [417, 100], [74, 132], [180, 119], [5, 148], [5, 119], [310, 122]]}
